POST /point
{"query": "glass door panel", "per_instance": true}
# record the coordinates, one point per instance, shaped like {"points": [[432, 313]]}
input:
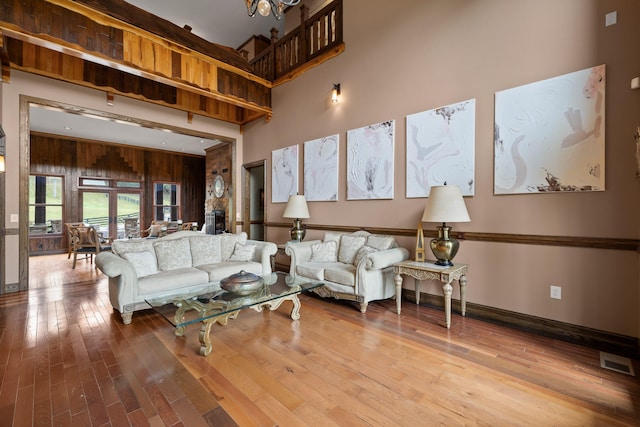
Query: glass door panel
{"points": [[106, 210], [96, 210], [128, 206]]}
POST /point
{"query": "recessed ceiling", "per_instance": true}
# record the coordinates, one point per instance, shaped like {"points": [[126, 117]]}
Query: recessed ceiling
{"points": [[96, 128]]}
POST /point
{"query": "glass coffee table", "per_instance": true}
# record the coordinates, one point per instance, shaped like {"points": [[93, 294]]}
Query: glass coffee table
{"points": [[218, 306]]}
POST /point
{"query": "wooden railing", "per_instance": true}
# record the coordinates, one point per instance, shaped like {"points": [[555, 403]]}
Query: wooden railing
{"points": [[314, 37]]}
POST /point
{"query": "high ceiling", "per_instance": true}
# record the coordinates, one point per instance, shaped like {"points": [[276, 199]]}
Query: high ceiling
{"points": [[223, 22]]}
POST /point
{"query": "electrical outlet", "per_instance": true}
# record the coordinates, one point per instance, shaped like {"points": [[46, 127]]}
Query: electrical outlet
{"points": [[556, 292]]}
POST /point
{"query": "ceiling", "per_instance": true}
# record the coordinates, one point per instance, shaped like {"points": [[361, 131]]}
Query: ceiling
{"points": [[223, 22], [97, 128]]}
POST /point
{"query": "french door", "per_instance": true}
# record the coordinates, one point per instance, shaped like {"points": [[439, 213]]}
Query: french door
{"points": [[107, 209]]}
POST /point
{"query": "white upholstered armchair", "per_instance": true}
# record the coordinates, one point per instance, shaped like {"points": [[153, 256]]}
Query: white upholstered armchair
{"points": [[353, 266]]}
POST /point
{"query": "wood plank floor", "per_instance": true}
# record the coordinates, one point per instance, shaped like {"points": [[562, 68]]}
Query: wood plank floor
{"points": [[66, 359]]}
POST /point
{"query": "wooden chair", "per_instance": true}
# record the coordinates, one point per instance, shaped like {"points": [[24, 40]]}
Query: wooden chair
{"points": [[156, 229], [86, 241], [189, 226], [67, 226]]}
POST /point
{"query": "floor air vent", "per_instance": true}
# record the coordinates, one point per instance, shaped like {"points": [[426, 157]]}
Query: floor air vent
{"points": [[616, 363]]}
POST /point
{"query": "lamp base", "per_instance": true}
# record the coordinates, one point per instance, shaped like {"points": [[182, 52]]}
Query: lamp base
{"points": [[443, 247], [298, 231]]}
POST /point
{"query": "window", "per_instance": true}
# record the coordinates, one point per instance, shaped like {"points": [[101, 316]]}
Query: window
{"points": [[166, 201], [46, 194]]}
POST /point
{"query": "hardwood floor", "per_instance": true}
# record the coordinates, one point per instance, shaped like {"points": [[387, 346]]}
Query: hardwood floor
{"points": [[67, 359]]}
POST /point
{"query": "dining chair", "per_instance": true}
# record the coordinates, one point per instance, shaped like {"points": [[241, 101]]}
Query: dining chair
{"points": [[67, 227], [87, 242], [156, 229]]}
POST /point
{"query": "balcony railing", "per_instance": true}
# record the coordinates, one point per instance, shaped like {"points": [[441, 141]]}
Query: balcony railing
{"points": [[314, 37]]}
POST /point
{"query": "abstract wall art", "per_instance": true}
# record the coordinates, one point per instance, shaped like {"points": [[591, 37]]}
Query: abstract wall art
{"points": [[321, 169], [284, 173], [549, 135], [370, 161], [441, 148]]}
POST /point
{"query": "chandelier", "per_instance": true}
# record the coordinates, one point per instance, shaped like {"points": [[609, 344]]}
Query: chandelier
{"points": [[263, 7]]}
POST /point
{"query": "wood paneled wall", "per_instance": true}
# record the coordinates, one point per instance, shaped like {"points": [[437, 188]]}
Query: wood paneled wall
{"points": [[120, 48], [79, 158]]}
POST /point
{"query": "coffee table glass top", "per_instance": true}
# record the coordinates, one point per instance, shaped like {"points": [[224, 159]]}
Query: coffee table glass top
{"points": [[193, 308]]}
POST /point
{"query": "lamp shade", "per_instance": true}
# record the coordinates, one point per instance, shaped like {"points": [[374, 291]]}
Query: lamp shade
{"points": [[445, 204], [296, 207]]}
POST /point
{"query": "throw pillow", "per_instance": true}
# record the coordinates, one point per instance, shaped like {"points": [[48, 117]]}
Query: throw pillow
{"points": [[243, 252], [143, 262], [228, 243], [324, 252], [349, 246], [362, 254], [172, 254], [331, 236], [380, 242], [121, 247], [86, 237]]}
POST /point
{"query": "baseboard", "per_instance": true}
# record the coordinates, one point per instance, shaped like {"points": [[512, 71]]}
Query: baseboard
{"points": [[604, 341]]}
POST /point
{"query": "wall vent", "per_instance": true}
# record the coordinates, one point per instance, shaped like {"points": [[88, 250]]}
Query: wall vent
{"points": [[616, 363]]}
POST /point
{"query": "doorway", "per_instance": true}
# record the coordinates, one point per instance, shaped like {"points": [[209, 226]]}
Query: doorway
{"points": [[107, 209], [105, 203], [254, 200]]}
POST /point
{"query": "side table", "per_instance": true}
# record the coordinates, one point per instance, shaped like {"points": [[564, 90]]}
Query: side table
{"points": [[429, 270]]}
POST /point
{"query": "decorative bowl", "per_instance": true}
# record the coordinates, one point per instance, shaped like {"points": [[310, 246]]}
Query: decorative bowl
{"points": [[242, 283]]}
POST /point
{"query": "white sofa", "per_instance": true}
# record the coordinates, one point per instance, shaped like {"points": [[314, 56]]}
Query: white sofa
{"points": [[185, 262], [354, 266]]}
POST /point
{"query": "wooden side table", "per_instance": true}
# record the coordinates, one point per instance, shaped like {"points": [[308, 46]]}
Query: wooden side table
{"points": [[429, 270]]}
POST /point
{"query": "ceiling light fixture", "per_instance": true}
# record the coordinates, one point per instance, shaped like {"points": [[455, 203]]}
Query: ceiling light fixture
{"points": [[263, 7]]}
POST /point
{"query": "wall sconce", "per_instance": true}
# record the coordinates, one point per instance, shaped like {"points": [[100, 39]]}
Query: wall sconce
{"points": [[335, 93], [2, 149]]}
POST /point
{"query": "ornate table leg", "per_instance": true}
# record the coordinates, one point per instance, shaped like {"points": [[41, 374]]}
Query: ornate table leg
{"points": [[205, 338], [463, 297], [447, 289], [205, 331], [398, 280], [274, 304], [178, 319], [295, 310]]}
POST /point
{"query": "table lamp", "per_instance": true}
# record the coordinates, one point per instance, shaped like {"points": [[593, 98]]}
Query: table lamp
{"points": [[297, 208], [445, 204]]}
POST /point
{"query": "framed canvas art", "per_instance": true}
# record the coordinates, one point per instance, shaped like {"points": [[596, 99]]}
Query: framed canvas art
{"points": [[549, 135], [441, 148], [284, 173], [321, 169], [370, 161]]}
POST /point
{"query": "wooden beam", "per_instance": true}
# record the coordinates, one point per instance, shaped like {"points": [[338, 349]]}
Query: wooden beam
{"points": [[112, 41], [5, 66]]}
